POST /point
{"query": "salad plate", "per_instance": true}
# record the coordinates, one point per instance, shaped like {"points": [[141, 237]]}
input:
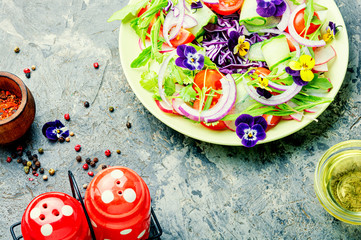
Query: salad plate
{"points": [[129, 50]]}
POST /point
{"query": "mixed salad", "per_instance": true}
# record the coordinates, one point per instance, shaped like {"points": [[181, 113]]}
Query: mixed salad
{"points": [[239, 65]]}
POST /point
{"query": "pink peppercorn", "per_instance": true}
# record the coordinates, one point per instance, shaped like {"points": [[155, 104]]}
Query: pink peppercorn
{"points": [[77, 147], [26, 70], [85, 166], [31, 179], [91, 174], [96, 65], [67, 116], [36, 174], [107, 153], [9, 159]]}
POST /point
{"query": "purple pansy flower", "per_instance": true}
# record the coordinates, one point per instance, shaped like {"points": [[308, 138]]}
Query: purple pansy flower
{"points": [[296, 75], [196, 5], [263, 92], [250, 129], [189, 58], [268, 8], [55, 130], [331, 31]]}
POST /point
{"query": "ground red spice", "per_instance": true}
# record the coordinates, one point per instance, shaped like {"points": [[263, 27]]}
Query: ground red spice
{"points": [[9, 104]]}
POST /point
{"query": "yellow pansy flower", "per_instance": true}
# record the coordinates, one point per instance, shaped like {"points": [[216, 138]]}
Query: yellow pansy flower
{"points": [[242, 47], [304, 64]]}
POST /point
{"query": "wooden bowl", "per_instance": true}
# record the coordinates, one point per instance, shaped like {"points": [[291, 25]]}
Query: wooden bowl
{"points": [[15, 126]]}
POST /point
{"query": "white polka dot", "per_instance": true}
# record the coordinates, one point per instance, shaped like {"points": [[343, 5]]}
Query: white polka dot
{"points": [[117, 174], [35, 213], [46, 230], [141, 234], [107, 196], [93, 223], [126, 231], [67, 210], [129, 195]]}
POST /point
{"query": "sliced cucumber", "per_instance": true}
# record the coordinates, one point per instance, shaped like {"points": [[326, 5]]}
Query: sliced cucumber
{"points": [[203, 16], [249, 14], [255, 52], [271, 22], [275, 50]]}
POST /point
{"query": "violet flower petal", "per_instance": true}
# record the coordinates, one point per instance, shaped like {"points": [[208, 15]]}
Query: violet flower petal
{"points": [[261, 121], [189, 50], [294, 73], [261, 134], [241, 129], [181, 51], [263, 3], [244, 118], [188, 65], [280, 9], [264, 93], [298, 80], [51, 133], [196, 5], [59, 124], [278, 2], [46, 126], [268, 11], [200, 62], [64, 134], [179, 62]]}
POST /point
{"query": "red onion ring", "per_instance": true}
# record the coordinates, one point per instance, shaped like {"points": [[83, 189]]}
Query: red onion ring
{"points": [[282, 25], [161, 73]]}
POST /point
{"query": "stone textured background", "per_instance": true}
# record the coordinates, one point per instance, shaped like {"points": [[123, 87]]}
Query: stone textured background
{"points": [[199, 190]]}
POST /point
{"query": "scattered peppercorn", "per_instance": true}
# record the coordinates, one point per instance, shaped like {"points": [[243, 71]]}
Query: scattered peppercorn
{"points": [[67, 139], [61, 139], [33, 67], [92, 164], [19, 148], [30, 157], [91, 174], [86, 104], [26, 169], [34, 172], [118, 151], [71, 134], [87, 160], [28, 153], [26, 70], [29, 164], [78, 158], [27, 75], [41, 170], [129, 125], [67, 116], [17, 50], [40, 150], [31, 179], [77, 147], [19, 160], [96, 65], [37, 164], [35, 156], [14, 155], [85, 166], [111, 109], [51, 172], [25, 162], [85, 186], [19, 153], [107, 153], [104, 166], [95, 160], [45, 178], [9, 159]]}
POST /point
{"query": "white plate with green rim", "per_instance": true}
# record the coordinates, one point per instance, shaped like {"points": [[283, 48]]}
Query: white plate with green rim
{"points": [[129, 50]]}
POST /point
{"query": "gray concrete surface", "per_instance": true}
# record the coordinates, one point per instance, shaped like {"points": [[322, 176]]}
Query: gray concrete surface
{"points": [[199, 190]]}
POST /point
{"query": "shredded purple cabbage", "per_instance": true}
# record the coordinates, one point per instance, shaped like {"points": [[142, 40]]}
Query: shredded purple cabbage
{"points": [[215, 42]]}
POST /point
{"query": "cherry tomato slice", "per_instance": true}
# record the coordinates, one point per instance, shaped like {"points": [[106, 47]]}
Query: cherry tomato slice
{"points": [[218, 126], [299, 23], [262, 71], [183, 37], [226, 7], [272, 120]]}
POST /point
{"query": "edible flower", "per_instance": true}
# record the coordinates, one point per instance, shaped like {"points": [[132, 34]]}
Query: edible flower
{"points": [[301, 70], [237, 44], [268, 8], [55, 130], [263, 89], [331, 31], [189, 58], [250, 129], [196, 4]]}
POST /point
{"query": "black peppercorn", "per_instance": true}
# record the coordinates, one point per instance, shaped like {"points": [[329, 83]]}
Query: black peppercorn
{"points": [[27, 74], [129, 125], [95, 160], [86, 104], [41, 170], [104, 166], [16, 49], [111, 109], [37, 164], [19, 153], [34, 172], [25, 163], [78, 158], [19, 160], [35, 156], [87, 160], [30, 157], [14, 155], [61, 139], [92, 164], [28, 153], [40, 150]]}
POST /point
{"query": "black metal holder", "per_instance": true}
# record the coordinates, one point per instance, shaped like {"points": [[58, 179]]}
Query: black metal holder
{"points": [[155, 228]]}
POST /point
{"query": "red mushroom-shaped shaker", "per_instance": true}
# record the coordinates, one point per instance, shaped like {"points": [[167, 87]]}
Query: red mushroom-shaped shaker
{"points": [[54, 216], [118, 204]]}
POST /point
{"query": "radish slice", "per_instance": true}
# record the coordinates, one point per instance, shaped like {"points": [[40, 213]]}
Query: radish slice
{"points": [[231, 125], [165, 47], [321, 68], [286, 118], [189, 21], [287, 95], [282, 25], [171, 21], [324, 55], [162, 106], [298, 38], [161, 73], [211, 1]]}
